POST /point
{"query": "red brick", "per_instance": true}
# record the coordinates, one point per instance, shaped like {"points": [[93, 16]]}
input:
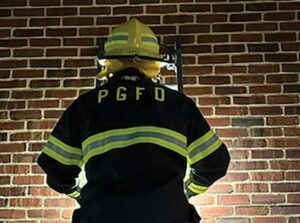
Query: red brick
{"points": [[292, 131], [290, 26], [285, 210], [13, 3], [45, 42], [230, 90], [227, 7], [78, 42], [41, 124], [7, 105], [269, 220], [230, 69], [4, 53], [266, 132], [25, 114], [231, 111], [266, 110], [247, 37], [198, 90], [93, 31], [44, 3], [28, 180], [77, 2], [44, 22], [49, 214], [280, 57], [233, 199], [28, 53], [248, 79], [265, 68], [172, 1], [44, 83], [212, 18], [267, 176], [278, 16], [246, 58], [278, 142], [151, 20], [194, 8], [216, 211], [281, 37], [283, 121], [282, 78], [249, 99], [233, 132], [79, 63], [59, 52], [29, 12], [41, 191], [228, 28], [25, 94], [170, 19], [60, 93], [196, 49], [45, 63], [12, 84], [13, 63], [59, 202], [12, 191], [285, 165], [218, 121], [245, 17], [5, 12], [289, 6], [61, 32], [94, 10], [230, 177], [254, 165], [194, 29], [293, 198], [292, 175], [161, 9], [80, 21], [263, 47], [293, 153], [261, 6], [212, 38], [6, 33], [291, 67], [221, 188], [12, 147], [12, 214], [110, 20], [250, 143], [26, 202], [143, 2], [25, 136], [13, 22], [213, 59], [187, 39], [128, 10], [265, 89], [252, 211], [44, 104], [61, 73], [5, 159], [214, 100], [14, 169], [61, 11], [79, 83], [283, 99], [267, 199]]}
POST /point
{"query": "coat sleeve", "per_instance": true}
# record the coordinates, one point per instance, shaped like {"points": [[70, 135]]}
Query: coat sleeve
{"points": [[207, 156], [61, 157]]}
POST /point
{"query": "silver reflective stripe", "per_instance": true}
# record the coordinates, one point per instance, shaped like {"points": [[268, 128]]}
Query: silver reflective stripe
{"points": [[203, 146], [149, 39], [119, 138], [118, 37], [63, 153]]}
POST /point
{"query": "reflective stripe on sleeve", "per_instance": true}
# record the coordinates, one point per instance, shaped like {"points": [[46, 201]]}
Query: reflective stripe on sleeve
{"points": [[198, 189], [75, 194], [203, 146], [62, 152], [121, 138]]}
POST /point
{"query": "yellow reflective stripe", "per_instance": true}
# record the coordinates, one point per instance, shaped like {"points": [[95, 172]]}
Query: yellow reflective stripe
{"points": [[75, 194], [200, 141], [205, 152], [121, 138], [197, 188], [60, 158], [65, 147], [130, 130]]}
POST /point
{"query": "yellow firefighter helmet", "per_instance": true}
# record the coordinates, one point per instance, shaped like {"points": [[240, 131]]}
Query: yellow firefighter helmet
{"points": [[131, 44]]}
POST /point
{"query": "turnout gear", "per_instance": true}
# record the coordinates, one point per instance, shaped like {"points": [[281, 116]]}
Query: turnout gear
{"points": [[135, 139], [135, 41]]}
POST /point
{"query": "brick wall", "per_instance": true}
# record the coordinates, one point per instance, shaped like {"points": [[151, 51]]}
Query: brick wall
{"points": [[241, 65]]}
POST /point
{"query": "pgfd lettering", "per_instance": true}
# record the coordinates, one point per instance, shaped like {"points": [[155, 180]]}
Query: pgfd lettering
{"points": [[122, 93]]}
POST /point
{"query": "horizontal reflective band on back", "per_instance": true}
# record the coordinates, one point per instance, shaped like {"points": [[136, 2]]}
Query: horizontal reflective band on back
{"points": [[75, 194], [121, 138]]}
